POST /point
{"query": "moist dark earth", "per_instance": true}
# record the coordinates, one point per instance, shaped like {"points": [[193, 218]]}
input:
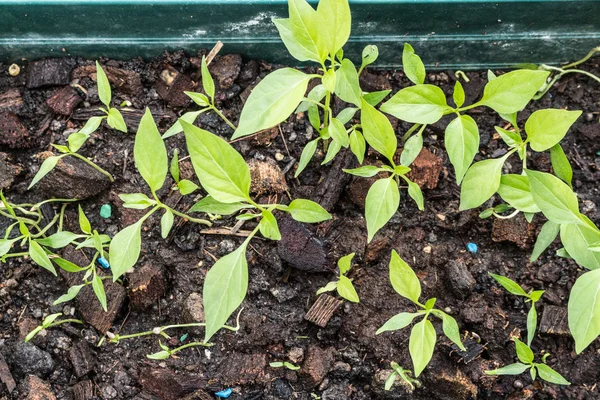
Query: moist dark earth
{"points": [[50, 99]]}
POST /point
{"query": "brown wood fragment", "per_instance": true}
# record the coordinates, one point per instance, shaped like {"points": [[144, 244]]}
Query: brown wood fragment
{"points": [[122, 80], [146, 286], [328, 191], [12, 132], [198, 395], [64, 100], [322, 310], [11, 100], [172, 85], [168, 385], [82, 358], [37, 389], [425, 170], [5, 375], [554, 321], [83, 390]]}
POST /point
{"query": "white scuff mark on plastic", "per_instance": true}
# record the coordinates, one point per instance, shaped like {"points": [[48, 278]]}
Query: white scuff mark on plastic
{"points": [[196, 33], [245, 27]]}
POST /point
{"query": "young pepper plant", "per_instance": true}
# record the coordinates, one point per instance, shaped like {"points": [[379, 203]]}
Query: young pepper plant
{"points": [[423, 335], [225, 176], [403, 374], [533, 296], [526, 358], [49, 322], [343, 285]]}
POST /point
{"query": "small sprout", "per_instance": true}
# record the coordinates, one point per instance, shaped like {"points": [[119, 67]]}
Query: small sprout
{"points": [[288, 365], [404, 374], [49, 322], [344, 285]]}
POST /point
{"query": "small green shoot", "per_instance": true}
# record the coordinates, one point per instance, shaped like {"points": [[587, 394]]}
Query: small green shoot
{"points": [[285, 364], [49, 322], [400, 373], [344, 285]]}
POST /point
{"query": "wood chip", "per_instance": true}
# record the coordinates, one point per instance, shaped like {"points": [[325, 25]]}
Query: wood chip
{"points": [[322, 310], [554, 321], [5, 375]]}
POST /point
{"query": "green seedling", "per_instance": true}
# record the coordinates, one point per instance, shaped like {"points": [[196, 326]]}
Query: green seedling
{"points": [[184, 186], [205, 100], [49, 322], [423, 336], [343, 285], [400, 373], [526, 357], [533, 296], [284, 364], [76, 140]]}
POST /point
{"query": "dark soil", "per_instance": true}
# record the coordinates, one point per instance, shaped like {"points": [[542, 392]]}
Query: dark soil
{"points": [[343, 360]]}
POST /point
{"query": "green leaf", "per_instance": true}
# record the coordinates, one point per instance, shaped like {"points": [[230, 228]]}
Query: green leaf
{"points": [[186, 187], [115, 120], [224, 290], [90, 126], [308, 30], [545, 128], [524, 353], [397, 322], [159, 355], [32, 334], [422, 104], [514, 189], [174, 166], [200, 98], [98, 287], [268, 226], [177, 128], [414, 191], [550, 375], [307, 211], [39, 256], [150, 153], [70, 295], [346, 114], [369, 55], [328, 80], [480, 183], [345, 263], [337, 18], [55, 241], [510, 285], [166, 223], [103, 86], [577, 240], [221, 170], [307, 154], [391, 379], [76, 140], [316, 94], [138, 201], [378, 131], [375, 98], [547, 234], [47, 166], [584, 310], [459, 94], [462, 144], [347, 86], [554, 197], [67, 265], [61, 148], [512, 91], [421, 345], [560, 164], [212, 206], [346, 289], [511, 369], [531, 323], [5, 245], [412, 148], [381, 203], [294, 47], [273, 100], [125, 249], [403, 279], [430, 303], [358, 145], [450, 328], [207, 81], [413, 66], [366, 171], [511, 138], [331, 286], [338, 133], [84, 222], [333, 149]]}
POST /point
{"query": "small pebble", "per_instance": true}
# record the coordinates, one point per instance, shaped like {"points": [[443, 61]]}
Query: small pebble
{"points": [[14, 70], [472, 247], [224, 394], [103, 262], [279, 156], [427, 249], [105, 211]]}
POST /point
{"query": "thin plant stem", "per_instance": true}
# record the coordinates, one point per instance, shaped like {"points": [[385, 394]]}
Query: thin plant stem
{"points": [[95, 166], [223, 117]]}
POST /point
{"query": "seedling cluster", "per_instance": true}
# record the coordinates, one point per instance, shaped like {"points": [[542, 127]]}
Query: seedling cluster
{"points": [[319, 35]]}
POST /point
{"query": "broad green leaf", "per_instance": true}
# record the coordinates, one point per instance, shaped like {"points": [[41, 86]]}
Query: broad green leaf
{"points": [[70, 295], [554, 197], [104, 92], [462, 144], [346, 115], [207, 81], [315, 119], [57, 240], [150, 153], [358, 145], [375, 98], [98, 287], [577, 239], [366, 171], [560, 164], [345, 263], [67, 265], [294, 47], [328, 80], [307, 154], [316, 94], [412, 148], [268, 226], [531, 323], [511, 369], [174, 166], [125, 249], [186, 187], [115, 120], [545, 128], [331, 286], [381, 203], [550, 375], [414, 191], [378, 131], [338, 133], [309, 29], [212, 206], [5, 245], [90, 126], [422, 104], [307, 211], [273, 100], [450, 328], [166, 223], [346, 289], [421, 345], [584, 310], [510, 285], [200, 98], [47, 166], [39, 256], [347, 86], [333, 149], [177, 128], [547, 234], [369, 55], [397, 322], [524, 353], [138, 201], [511, 138], [514, 189], [480, 183], [458, 95], [221, 170], [224, 290], [76, 140], [84, 222], [413, 66], [337, 18], [403, 279], [512, 91]]}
